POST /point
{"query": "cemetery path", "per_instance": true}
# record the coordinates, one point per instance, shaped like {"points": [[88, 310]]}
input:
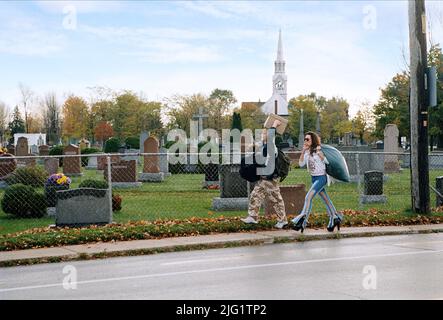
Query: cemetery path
{"points": [[386, 267]]}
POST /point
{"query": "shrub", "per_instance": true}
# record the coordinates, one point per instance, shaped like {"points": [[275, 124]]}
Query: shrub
{"points": [[116, 202], [57, 151], [133, 142], [30, 176], [95, 184], [88, 151], [23, 202], [112, 145]]}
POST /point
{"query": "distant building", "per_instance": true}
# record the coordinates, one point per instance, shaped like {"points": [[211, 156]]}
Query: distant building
{"points": [[278, 102]]}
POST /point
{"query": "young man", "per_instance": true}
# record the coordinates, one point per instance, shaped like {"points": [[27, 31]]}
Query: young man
{"points": [[267, 187]]}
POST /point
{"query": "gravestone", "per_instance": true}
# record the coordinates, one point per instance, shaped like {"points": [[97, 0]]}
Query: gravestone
{"points": [[347, 139], [233, 189], [293, 198], [123, 174], [92, 163], [43, 150], [11, 149], [102, 161], [164, 162], [373, 188], [143, 136], [51, 165], [83, 206], [211, 176], [22, 150], [72, 165], [151, 163], [391, 145], [34, 149]]}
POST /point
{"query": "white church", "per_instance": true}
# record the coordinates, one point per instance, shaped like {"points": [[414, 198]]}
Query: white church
{"points": [[278, 102]]}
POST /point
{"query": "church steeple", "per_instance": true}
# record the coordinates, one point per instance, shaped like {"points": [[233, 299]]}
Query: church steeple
{"points": [[280, 62]]}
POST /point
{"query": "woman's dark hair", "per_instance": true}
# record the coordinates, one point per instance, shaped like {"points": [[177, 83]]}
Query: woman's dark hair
{"points": [[315, 141]]}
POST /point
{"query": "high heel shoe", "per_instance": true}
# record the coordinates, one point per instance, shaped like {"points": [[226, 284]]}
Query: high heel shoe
{"points": [[336, 223], [300, 225]]}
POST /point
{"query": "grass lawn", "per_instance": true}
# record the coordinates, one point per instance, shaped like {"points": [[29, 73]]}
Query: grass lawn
{"points": [[182, 196]]}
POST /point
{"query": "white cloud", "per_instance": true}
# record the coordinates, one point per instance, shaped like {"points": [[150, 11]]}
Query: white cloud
{"points": [[81, 6]]}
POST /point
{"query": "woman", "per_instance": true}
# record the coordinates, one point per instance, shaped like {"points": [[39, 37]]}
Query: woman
{"points": [[316, 162]]}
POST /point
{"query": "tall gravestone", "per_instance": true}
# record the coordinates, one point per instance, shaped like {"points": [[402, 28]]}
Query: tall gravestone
{"points": [[143, 136], [72, 165], [164, 162], [301, 134], [51, 165], [22, 150], [151, 162], [391, 145]]}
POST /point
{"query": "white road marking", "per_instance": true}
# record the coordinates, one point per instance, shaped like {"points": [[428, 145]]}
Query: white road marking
{"points": [[224, 269]]}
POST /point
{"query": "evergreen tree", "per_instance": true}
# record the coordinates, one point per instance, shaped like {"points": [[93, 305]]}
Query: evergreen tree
{"points": [[17, 125]]}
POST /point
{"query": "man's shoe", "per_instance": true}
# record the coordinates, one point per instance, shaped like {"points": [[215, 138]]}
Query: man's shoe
{"points": [[249, 219], [281, 224]]}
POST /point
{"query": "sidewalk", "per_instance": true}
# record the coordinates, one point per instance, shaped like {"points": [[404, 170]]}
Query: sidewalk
{"points": [[140, 247]]}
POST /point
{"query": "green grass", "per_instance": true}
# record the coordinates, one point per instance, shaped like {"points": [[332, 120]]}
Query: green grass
{"points": [[181, 196]]}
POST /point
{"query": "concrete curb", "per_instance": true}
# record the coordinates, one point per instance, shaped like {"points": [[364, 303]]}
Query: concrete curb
{"points": [[144, 247]]}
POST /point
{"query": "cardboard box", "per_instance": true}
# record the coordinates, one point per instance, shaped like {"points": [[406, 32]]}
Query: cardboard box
{"points": [[270, 121]]}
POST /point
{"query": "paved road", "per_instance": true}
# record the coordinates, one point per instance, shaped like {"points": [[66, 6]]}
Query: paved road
{"points": [[395, 267]]}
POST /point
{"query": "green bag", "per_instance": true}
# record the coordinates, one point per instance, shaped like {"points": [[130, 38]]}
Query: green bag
{"points": [[282, 165], [337, 167]]}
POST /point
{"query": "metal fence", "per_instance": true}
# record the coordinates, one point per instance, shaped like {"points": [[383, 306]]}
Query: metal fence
{"points": [[148, 186]]}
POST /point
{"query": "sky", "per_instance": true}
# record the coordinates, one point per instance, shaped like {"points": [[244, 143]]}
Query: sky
{"points": [[334, 48]]}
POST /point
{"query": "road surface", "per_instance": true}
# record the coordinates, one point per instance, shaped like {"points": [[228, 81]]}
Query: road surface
{"points": [[392, 267]]}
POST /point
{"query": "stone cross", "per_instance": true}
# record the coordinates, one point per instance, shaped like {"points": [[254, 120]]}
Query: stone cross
{"points": [[200, 116]]}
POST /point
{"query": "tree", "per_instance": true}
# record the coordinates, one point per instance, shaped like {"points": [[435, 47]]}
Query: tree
{"points": [[182, 108], [26, 98], [307, 103], [334, 112], [220, 103], [251, 115], [75, 118], [51, 119], [393, 106], [363, 123], [3, 120], [103, 131], [35, 123], [17, 125], [236, 122], [435, 58]]}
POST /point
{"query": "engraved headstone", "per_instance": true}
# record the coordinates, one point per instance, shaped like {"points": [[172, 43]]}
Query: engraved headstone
{"points": [[391, 145], [72, 165]]}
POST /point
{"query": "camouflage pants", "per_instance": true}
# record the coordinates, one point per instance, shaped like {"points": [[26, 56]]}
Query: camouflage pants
{"points": [[270, 189]]}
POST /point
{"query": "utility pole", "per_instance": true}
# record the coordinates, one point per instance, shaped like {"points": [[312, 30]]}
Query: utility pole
{"points": [[418, 108]]}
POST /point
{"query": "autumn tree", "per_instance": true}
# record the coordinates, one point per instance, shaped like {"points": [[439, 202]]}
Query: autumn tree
{"points": [[252, 116], [182, 108], [75, 118], [334, 119], [364, 123], [26, 95], [103, 131]]}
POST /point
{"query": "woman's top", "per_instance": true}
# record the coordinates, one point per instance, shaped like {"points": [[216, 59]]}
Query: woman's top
{"points": [[316, 166]]}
